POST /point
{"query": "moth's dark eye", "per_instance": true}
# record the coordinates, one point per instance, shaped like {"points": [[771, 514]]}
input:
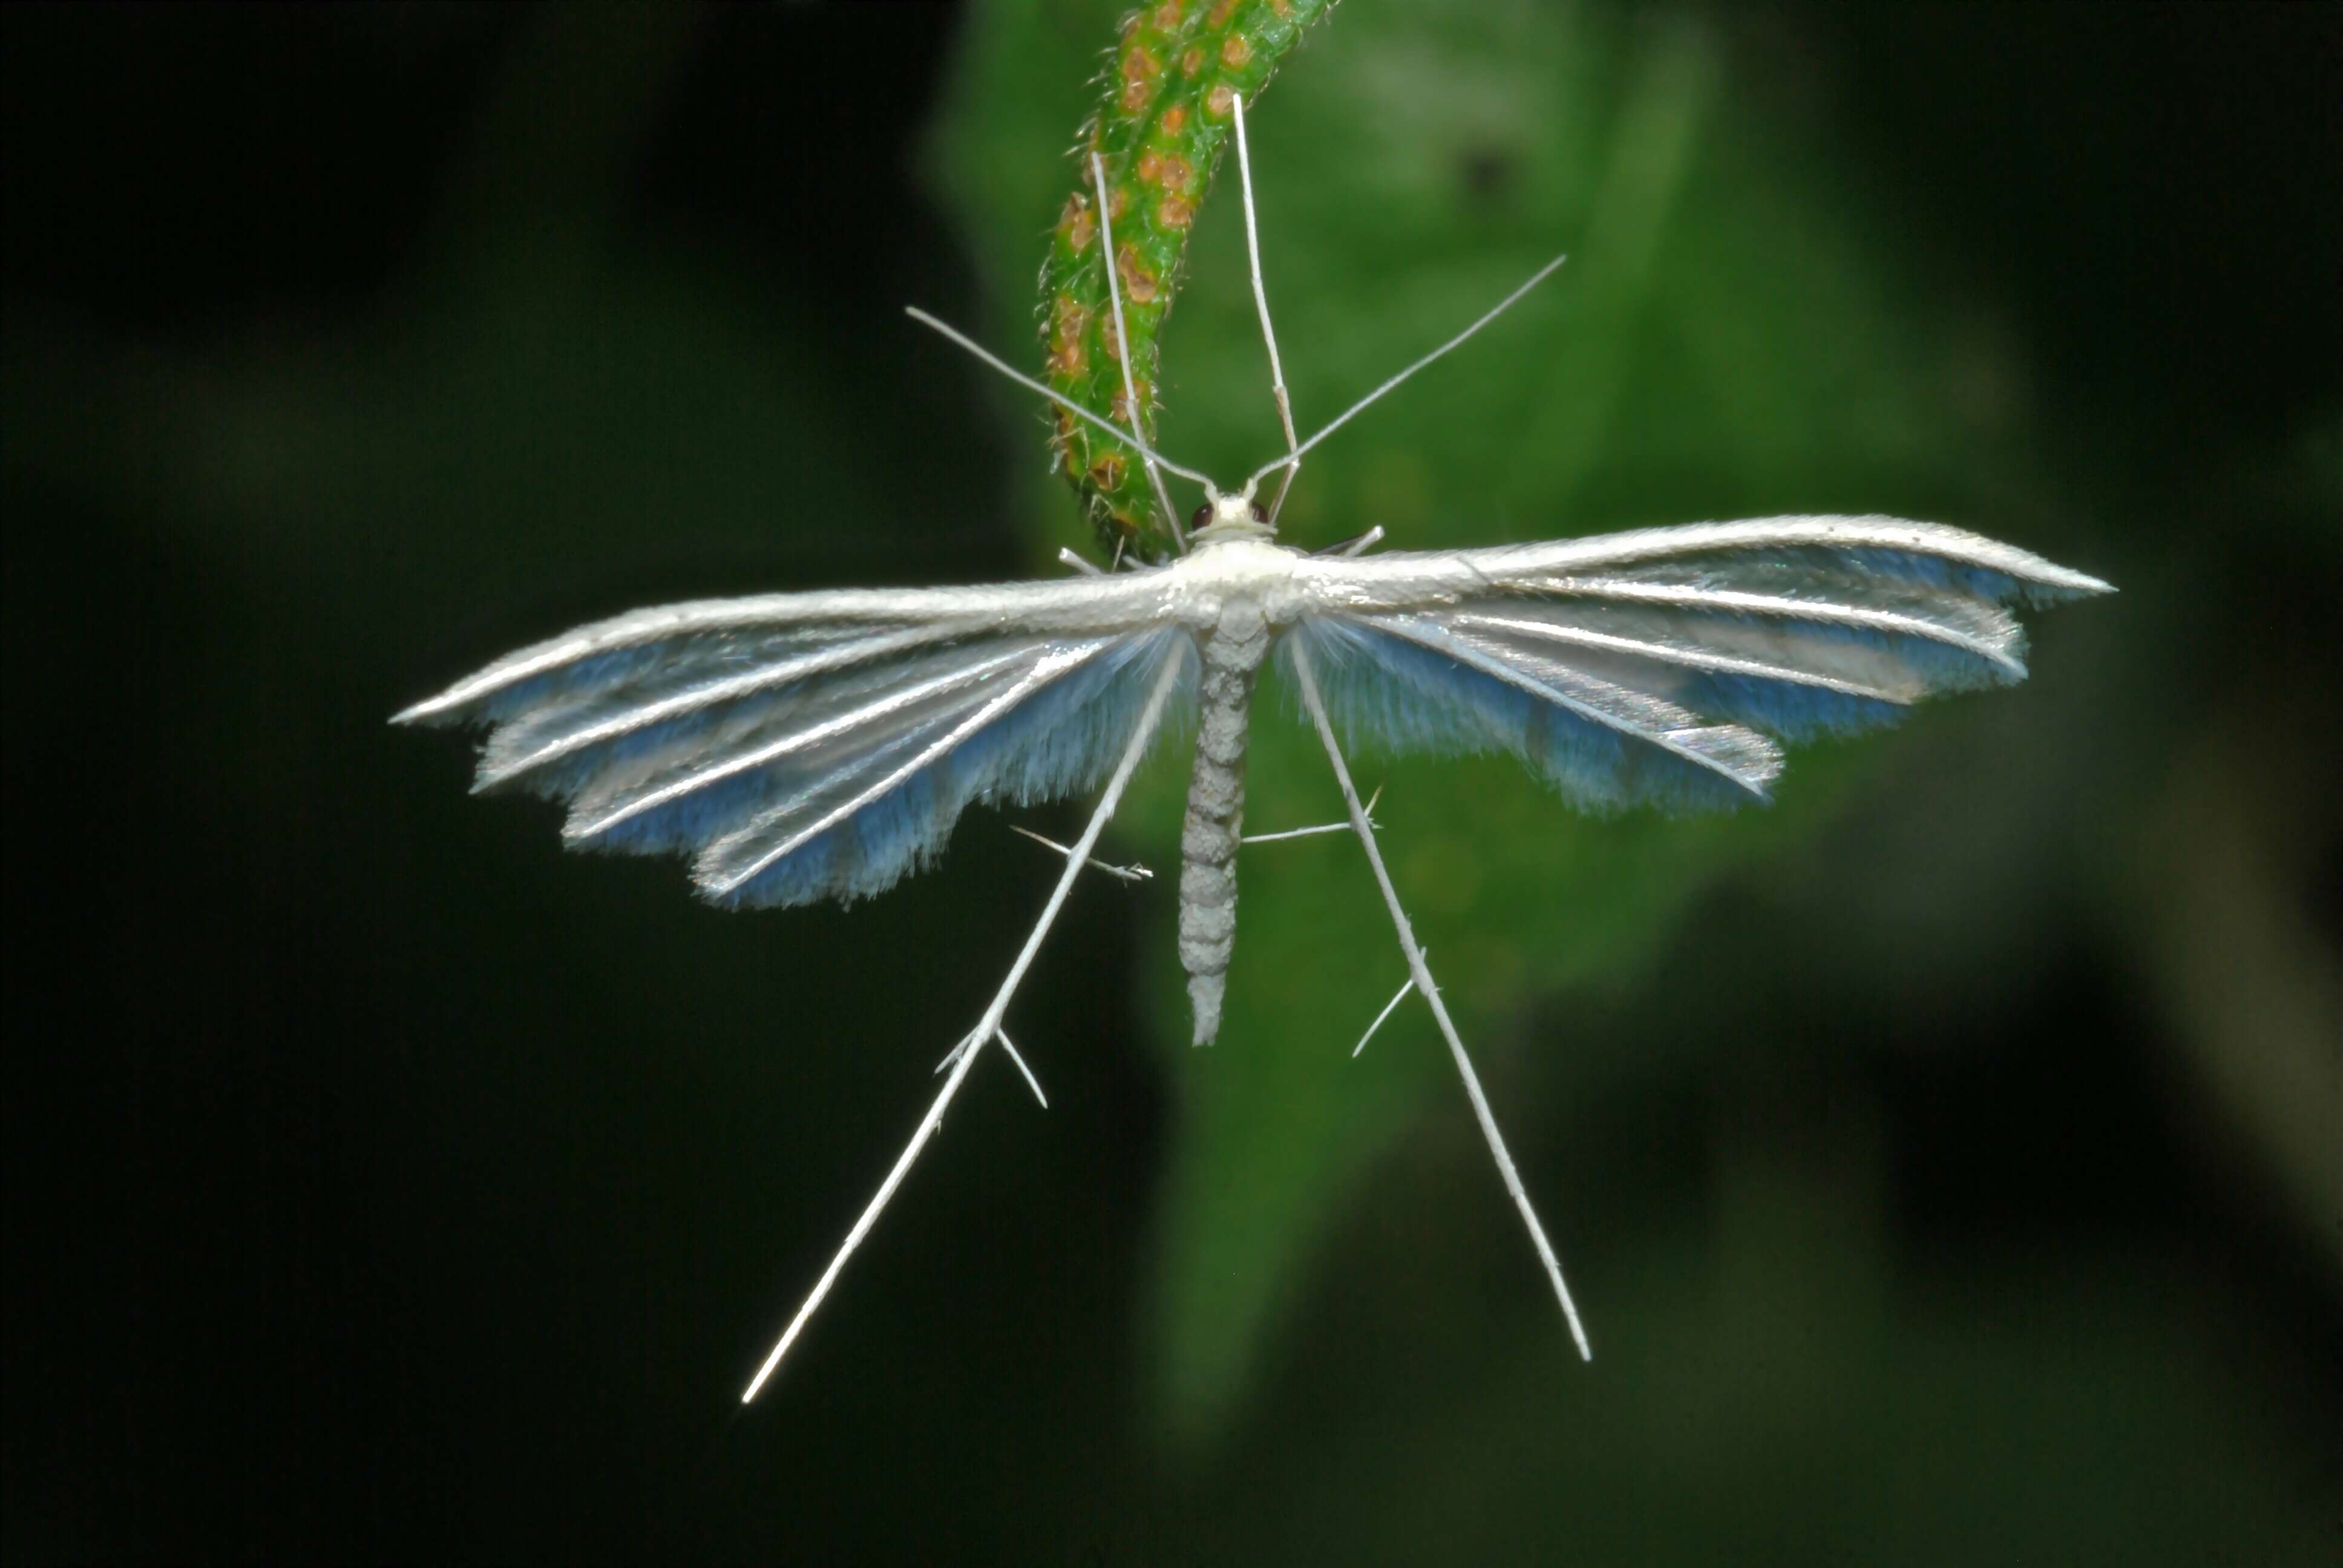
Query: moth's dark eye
{"points": [[1258, 515], [1200, 517]]}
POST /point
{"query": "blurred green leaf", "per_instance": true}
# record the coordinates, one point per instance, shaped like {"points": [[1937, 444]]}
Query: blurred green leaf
{"points": [[1940, 1155]]}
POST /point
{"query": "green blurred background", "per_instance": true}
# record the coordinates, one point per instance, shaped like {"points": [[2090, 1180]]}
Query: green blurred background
{"points": [[1949, 1160]]}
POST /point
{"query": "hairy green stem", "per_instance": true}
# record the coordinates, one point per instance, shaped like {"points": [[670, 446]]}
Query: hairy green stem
{"points": [[1171, 81]]}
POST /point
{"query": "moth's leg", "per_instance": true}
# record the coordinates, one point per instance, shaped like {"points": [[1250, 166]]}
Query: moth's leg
{"points": [[987, 1028], [1131, 873], [1321, 828], [1122, 353], [1390, 1007], [1041, 390], [1421, 974], [1070, 558], [1357, 545], [1032, 1083], [1260, 303]]}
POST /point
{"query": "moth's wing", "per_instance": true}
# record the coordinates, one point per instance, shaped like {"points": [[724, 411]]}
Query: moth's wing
{"points": [[1660, 665], [821, 745]]}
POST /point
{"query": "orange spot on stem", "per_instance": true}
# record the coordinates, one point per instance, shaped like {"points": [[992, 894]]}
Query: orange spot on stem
{"points": [[1069, 320], [1077, 222], [1138, 283]]}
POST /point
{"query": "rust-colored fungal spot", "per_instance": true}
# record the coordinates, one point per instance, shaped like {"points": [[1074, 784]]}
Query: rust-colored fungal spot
{"points": [[1167, 16], [1077, 222], [1173, 118], [1217, 101], [1069, 320], [1177, 174], [1138, 283], [1150, 167], [1236, 51], [1062, 436], [1173, 212], [1192, 61], [1106, 473], [1220, 14], [1118, 202]]}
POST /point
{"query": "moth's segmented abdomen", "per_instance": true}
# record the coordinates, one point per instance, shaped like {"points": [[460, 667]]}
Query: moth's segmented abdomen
{"points": [[1215, 819]]}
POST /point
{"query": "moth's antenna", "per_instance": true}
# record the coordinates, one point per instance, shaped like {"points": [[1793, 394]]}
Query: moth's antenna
{"points": [[1293, 457], [1054, 396], [1260, 303], [1123, 357], [1421, 974], [987, 1028]]}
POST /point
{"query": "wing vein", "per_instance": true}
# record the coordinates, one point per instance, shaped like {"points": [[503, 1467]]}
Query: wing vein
{"points": [[1047, 671]]}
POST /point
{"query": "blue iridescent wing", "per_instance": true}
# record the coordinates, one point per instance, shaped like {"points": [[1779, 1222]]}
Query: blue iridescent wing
{"points": [[803, 746], [1662, 665]]}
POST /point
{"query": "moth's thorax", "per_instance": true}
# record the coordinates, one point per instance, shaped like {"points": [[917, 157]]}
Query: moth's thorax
{"points": [[1225, 569]]}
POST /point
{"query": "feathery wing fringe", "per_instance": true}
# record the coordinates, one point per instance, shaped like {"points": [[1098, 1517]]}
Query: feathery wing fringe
{"points": [[812, 746], [1653, 666]]}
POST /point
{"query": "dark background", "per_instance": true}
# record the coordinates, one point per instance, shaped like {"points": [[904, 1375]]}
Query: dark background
{"points": [[381, 1184]]}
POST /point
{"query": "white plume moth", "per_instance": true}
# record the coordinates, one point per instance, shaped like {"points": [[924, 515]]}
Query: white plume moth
{"points": [[801, 746]]}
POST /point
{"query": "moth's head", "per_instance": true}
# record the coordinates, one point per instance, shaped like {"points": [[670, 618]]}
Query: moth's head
{"points": [[1237, 516]]}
